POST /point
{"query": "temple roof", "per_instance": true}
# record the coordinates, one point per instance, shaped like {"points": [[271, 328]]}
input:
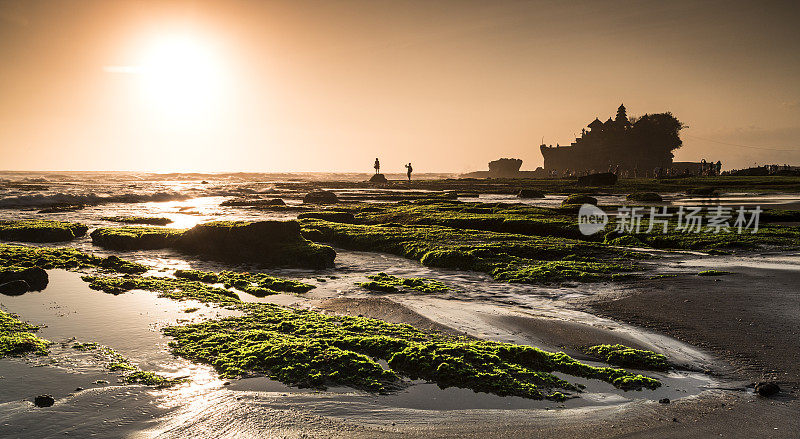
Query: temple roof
{"points": [[595, 123]]}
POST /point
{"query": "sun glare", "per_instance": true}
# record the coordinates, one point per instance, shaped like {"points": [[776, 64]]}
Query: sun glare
{"points": [[181, 74]]}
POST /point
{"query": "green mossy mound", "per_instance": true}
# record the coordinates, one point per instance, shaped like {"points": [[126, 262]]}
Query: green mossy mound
{"points": [[389, 284], [320, 197], [336, 217], [135, 237], [648, 197], [257, 284], [624, 356], [176, 289], [507, 257], [149, 220], [272, 243], [529, 193], [310, 349], [40, 230], [12, 256], [579, 199], [17, 338]]}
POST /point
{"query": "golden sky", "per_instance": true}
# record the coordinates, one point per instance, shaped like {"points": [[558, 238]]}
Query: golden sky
{"points": [[329, 85]]}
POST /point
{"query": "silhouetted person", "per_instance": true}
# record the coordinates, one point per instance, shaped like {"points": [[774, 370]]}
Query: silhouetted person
{"points": [[718, 165], [377, 166], [409, 170]]}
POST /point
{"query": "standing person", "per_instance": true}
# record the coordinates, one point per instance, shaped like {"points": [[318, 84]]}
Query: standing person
{"points": [[409, 169], [377, 166]]}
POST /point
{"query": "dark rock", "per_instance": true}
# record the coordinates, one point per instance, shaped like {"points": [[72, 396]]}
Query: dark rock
{"points": [[62, 208], [44, 401], [664, 400], [320, 197], [254, 202], [650, 197], [530, 193], [336, 217], [702, 191], [203, 182], [266, 242], [14, 288], [579, 199], [378, 178], [35, 277], [78, 389], [601, 179], [767, 389]]}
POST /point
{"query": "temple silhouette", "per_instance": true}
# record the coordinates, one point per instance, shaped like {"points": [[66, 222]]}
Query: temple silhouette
{"points": [[620, 145]]}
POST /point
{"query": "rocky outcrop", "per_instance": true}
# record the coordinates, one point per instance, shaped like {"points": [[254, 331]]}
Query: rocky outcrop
{"points": [[269, 243], [648, 197], [40, 230], [530, 193], [320, 197], [12, 280], [378, 178], [254, 202]]}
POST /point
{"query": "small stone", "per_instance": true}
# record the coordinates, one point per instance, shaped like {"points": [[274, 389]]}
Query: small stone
{"points": [[767, 389], [664, 400], [78, 389], [44, 401], [674, 419], [226, 383]]}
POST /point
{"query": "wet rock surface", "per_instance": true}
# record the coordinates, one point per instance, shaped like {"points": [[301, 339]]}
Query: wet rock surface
{"points": [[44, 401]]}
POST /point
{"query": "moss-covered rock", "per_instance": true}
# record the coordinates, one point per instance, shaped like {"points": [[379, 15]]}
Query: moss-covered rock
{"points": [[579, 199], [320, 197], [18, 256], [530, 193], [135, 237], [648, 197], [273, 243], [310, 349], [253, 202], [17, 338], [337, 217], [148, 220], [257, 284], [176, 289], [624, 356], [388, 284], [40, 230]]}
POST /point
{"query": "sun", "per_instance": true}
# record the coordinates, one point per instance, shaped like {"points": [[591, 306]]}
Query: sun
{"points": [[181, 74]]}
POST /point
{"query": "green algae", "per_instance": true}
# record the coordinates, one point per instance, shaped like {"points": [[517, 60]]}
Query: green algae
{"points": [[647, 197], [131, 373], [63, 258], [507, 257], [389, 284], [17, 338], [257, 284], [135, 237], [625, 356], [310, 349], [40, 230], [90, 346], [713, 273], [272, 243], [149, 220], [172, 288]]}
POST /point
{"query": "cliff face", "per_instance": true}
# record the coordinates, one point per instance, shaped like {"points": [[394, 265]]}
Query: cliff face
{"points": [[505, 167]]}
